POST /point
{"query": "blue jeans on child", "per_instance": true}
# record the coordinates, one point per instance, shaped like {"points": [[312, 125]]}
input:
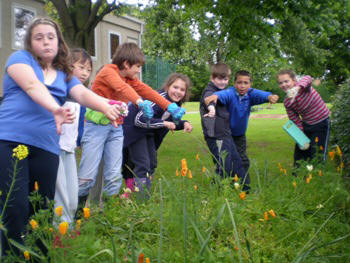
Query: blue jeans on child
{"points": [[101, 141]]}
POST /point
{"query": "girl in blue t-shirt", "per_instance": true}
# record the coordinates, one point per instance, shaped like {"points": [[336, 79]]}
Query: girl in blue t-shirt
{"points": [[37, 81]]}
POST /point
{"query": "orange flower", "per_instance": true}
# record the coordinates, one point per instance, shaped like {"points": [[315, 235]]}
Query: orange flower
{"points": [[86, 212], [308, 180], [141, 258], [242, 195], [184, 172], [203, 169], [235, 248], [189, 174], [184, 164], [63, 227], [266, 216], [310, 176], [36, 186], [197, 156], [316, 140], [319, 173], [272, 213], [195, 187], [177, 172], [59, 210], [26, 255], [331, 155], [321, 148], [34, 224], [294, 184], [236, 178], [77, 224], [148, 260]]}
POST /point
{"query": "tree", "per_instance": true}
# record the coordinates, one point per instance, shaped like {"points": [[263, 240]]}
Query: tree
{"points": [[79, 18]]}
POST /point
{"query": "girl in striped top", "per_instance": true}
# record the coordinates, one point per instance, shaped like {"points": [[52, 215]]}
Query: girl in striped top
{"points": [[308, 111]]}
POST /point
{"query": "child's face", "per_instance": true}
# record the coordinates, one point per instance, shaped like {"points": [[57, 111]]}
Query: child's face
{"points": [[177, 90], [82, 70], [285, 82], [131, 72], [44, 42], [220, 83], [242, 84]]}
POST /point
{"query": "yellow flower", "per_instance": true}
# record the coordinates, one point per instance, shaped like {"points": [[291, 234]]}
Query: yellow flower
{"points": [[316, 140], [34, 224], [148, 260], [236, 178], [319, 173], [285, 171], [279, 166], [321, 148], [177, 172], [338, 151], [272, 213], [203, 169], [294, 184], [341, 165], [63, 227], [26, 255], [136, 189], [20, 152], [86, 212], [236, 185], [310, 176], [36, 186], [77, 224], [308, 180], [266, 216], [189, 174], [50, 229], [59, 210], [197, 156], [195, 187], [242, 195]]}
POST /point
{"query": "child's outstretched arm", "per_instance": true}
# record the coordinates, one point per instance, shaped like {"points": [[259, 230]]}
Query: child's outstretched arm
{"points": [[273, 99], [211, 99]]}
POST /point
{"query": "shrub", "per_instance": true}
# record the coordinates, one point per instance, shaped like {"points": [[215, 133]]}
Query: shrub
{"points": [[340, 122]]}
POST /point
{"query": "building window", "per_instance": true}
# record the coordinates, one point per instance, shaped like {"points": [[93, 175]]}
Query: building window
{"points": [[114, 42], [21, 17]]}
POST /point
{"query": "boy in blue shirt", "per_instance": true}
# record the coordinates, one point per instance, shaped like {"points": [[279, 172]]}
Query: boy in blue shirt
{"points": [[216, 128], [239, 100]]}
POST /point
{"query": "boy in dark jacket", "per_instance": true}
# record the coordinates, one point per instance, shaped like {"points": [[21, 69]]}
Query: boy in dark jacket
{"points": [[216, 128]]}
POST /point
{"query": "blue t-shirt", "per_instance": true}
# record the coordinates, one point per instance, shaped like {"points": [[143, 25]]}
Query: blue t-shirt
{"points": [[239, 106], [21, 119]]}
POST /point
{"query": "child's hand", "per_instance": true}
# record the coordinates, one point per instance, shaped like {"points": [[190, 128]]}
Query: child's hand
{"points": [[61, 116], [187, 127], [273, 98], [175, 111], [212, 98], [211, 112], [112, 113], [169, 125]]}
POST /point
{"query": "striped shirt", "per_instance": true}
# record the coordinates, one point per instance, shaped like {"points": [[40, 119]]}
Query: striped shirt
{"points": [[307, 106]]}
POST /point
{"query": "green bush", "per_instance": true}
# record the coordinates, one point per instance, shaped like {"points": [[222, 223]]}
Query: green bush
{"points": [[340, 122]]}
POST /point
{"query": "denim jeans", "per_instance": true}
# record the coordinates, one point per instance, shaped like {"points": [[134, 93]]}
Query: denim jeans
{"points": [[101, 141]]}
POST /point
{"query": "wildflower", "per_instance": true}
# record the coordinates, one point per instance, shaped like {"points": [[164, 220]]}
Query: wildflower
{"points": [[338, 169], [242, 195], [235, 178], [285, 171], [184, 164], [319, 206], [59, 210], [36, 186], [136, 189], [272, 213], [266, 216], [316, 140], [63, 227], [184, 172], [310, 176], [294, 184], [26, 255], [331, 155], [279, 166], [127, 190], [235, 248], [319, 173], [148, 260], [50, 229], [20, 152], [141, 258], [77, 224], [177, 172], [338, 151], [236, 185], [309, 167], [308, 180], [321, 148], [261, 219], [197, 156], [341, 165], [189, 174], [86, 212], [203, 169], [195, 187], [34, 224]]}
